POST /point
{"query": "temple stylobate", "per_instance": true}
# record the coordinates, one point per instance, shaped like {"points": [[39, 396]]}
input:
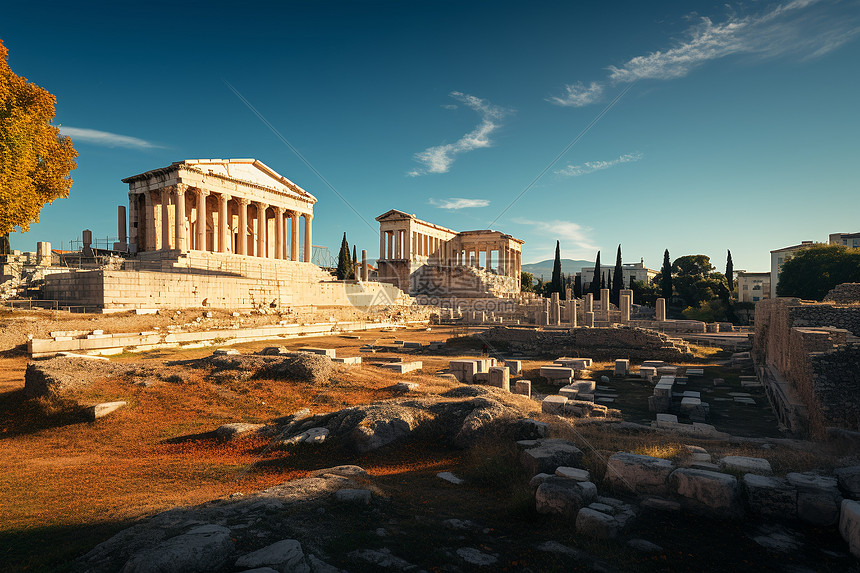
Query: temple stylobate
{"points": [[238, 206]]}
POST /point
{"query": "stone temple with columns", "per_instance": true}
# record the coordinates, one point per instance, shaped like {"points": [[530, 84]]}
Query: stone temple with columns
{"points": [[215, 233]]}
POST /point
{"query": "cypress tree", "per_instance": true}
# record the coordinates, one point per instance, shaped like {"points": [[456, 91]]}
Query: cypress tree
{"points": [[343, 263], [730, 273], [602, 282], [631, 282], [577, 286], [594, 287], [609, 285], [556, 285], [617, 280], [666, 277], [354, 263]]}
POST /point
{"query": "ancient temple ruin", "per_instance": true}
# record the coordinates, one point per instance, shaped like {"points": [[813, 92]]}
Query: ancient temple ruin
{"points": [[422, 258]]}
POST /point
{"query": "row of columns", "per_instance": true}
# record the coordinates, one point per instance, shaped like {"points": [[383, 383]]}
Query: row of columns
{"points": [[224, 233]]}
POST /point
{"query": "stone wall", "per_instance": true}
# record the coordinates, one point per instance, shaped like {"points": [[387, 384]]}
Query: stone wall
{"points": [[597, 343], [846, 293], [814, 348], [213, 280]]}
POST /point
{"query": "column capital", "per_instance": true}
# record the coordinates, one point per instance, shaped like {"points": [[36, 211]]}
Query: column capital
{"points": [[180, 188], [308, 216], [225, 197], [279, 210], [243, 201]]}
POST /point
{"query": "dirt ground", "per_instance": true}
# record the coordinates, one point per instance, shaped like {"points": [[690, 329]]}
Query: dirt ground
{"points": [[69, 484]]}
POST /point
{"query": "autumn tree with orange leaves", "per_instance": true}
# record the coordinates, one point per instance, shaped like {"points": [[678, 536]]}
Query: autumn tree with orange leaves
{"points": [[35, 160]]}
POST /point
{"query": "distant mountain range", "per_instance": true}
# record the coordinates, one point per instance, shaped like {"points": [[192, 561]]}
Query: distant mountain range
{"points": [[569, 267]]}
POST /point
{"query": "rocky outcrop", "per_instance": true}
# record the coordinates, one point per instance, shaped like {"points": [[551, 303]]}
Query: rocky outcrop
{"points": [[636, 473]]}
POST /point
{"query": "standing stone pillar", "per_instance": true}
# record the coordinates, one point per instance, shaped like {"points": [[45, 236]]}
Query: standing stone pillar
{"points": [[149, 230], [571, 309], [625, 307], [201, 219], [308, 235], [628, 292], [121, 229], [279, 232], [294, 236], [181, 239], [165, 218], [364, 265], [242, 237], [398, 254], [589, 302], [555, 309], [589, 319], [407, 244], [261, 230], [604, 300], [224, 243], [661, 309]]}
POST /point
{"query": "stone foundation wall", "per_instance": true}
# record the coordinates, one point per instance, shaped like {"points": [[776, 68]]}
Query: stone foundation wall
{"points": [[814, 347], [846, 293], [597, 343], [211, 280]]}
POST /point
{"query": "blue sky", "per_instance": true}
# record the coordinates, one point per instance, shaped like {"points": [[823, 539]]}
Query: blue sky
{"points": [[693, 126]]}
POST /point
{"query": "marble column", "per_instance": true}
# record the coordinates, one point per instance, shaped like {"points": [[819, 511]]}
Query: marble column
{"points": [[242, 236], [364, 265], [261, 229], [308, 236], [407, 244], [201, 219], [224, 234], [294, 236], [165, 219], [181, 239], [398, 254], [279, 232]]}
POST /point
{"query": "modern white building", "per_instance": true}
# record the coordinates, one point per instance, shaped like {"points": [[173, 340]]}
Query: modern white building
{"points": [[851, 240], [753, 287], [778, 258]]}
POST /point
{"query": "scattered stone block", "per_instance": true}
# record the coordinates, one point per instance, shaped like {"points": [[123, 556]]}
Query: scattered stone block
{"points": [[348, 360], [550, 454], [406, 386], [103, 409], [849, 525], [585, 386], [450, 478], [330, 352], [648, 373], [710, 493], [573, 473], [622, 367], [403, 367], [695, 372], [671, 418], [553, 405], [556, 372], [565, 497], [500, 377], [570, 391], [412, 345], [744, 400], [523, 387], [227, 432], [528, 429], [311, 436], [770, 497], [818, 498], [638, 474], [515, 366], [596, 524], [285, 555], [747, 465], [535, 482], [848, 479], [225, 352], [475, 557], [358, 496]]}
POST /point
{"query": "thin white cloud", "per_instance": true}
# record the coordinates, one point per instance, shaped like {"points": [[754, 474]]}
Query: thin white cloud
{"points": [[459, 203], [105, 138], [570, 234], [807, 28], [592, 166], [438, 159], [579, 95]]}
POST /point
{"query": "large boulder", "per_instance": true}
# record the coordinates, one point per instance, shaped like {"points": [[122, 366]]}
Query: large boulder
{"points": [[485, 413], [56, 376], [849, 525], [301, 366], [383, 424], [597, 524], [565, 497], [849, 481], [544, 456], [203, 549], [636, 473], [285, 555], [770, 497], [746, 464], [708, 493], [818, 498]]}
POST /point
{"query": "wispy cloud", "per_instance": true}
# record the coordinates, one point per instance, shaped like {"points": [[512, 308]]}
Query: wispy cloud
{"points": [[438, 159], [579, 95], [459, 203], [105, 138], [592, 166], [805, 28], [570, 235]]}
